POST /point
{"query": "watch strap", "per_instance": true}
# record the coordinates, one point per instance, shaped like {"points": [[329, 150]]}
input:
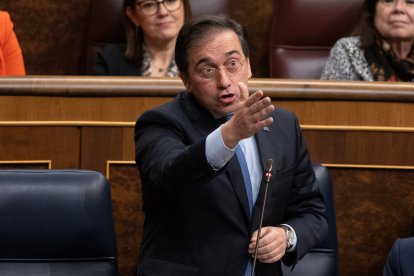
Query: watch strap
{"points": [[288, 234]]}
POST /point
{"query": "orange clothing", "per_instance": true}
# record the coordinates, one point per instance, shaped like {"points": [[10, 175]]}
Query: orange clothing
{"points": [[11, 58]]}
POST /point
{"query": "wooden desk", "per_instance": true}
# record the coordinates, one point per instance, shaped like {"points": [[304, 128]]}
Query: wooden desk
{"points": [[363, 131]]}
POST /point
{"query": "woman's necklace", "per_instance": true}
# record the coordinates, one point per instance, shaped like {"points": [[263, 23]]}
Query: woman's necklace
{"points": [[160, 69]]}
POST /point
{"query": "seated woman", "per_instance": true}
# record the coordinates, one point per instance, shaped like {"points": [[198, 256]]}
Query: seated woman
{"points": [[381, 48], [11, 59], [151, 28]]}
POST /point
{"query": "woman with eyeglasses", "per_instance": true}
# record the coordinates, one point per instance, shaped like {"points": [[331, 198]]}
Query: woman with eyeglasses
{"points": [[151, 27]]}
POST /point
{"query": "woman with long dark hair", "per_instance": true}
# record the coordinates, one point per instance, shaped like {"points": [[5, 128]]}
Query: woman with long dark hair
{"points": [[151, 30]]}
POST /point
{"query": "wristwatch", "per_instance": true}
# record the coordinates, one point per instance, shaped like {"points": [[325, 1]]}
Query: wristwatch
{"points": [[289, 236]]}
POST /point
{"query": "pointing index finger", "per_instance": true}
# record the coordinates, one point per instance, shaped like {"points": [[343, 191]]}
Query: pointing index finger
{"points": [[245, 97], [244, 92]]}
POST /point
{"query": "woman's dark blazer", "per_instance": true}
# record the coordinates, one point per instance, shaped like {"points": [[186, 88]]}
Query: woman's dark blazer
{"points": [[111, 61]]}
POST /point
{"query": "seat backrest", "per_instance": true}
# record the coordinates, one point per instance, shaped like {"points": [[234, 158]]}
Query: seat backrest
{"points": [[106, 23], [303, 32], [56, 222], [323, 259], [105, 26]]}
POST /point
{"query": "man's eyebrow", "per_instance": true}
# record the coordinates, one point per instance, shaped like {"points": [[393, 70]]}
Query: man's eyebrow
{"points": [[203, 60], [208, 60], [230, 53]]}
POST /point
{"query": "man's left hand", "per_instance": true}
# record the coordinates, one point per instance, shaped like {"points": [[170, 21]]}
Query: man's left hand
{"points": [[272, 244]]}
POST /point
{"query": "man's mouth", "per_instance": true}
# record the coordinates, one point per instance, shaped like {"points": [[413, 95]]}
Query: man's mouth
{"points": [[227, 98]]}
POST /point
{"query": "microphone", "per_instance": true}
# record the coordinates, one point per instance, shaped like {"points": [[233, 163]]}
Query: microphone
{"points": [[268, 173]]}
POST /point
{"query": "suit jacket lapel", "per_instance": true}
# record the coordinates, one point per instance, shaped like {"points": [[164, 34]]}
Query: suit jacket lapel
{"points": [[268, 148], [236, 178], [202, 120], [205, 123]]}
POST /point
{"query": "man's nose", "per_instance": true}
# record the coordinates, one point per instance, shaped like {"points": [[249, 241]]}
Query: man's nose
{"points": [[223, 79]]}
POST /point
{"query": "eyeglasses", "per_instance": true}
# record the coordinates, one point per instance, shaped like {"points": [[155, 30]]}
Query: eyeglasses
{"points": [[151, 7], [233, 66], [390, 2]]}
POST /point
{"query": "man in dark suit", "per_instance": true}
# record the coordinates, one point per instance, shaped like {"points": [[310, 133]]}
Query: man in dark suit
{"points": [[202, 180], [400, 258]]}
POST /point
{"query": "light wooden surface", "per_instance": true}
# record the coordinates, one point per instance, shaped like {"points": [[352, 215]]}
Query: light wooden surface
{"points": [[122, 99], [343, 122]]}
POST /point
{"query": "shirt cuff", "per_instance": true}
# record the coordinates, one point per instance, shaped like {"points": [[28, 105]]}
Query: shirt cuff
{"points": [[217, 153]]}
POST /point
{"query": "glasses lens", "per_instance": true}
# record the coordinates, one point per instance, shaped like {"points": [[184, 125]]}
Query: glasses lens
{"points": [[149, 7], [231, 67], [234, 66], [208, 73], [172, 5]]}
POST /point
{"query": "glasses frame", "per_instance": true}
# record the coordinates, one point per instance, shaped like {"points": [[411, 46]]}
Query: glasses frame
{"points": [[242, 63], [159, 2], [393, 1]]}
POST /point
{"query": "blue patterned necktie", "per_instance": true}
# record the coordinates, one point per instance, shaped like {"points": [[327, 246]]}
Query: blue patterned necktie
{"points": [[248, 186], [246, 176]]}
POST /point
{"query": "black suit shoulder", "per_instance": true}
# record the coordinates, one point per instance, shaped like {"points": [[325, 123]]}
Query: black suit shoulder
{"points": [[111, 61], [183, 109], [285, 113], [287, 123], [171, 112]]}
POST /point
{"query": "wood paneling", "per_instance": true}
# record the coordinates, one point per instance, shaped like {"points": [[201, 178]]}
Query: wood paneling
{"points": [[256, 17], [373, 208], [82, 122], [51, 34], [351, 113], [124, 99], [106, 143], [361, 147], [58, 144], [78, 109], [26, 165], [128, 215]]}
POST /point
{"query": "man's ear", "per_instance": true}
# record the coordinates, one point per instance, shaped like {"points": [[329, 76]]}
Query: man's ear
{"points": [[186, 81], [249, 68]]}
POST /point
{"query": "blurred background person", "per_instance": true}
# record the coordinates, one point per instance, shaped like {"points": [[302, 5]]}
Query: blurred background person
{"points": [[381, 48], [11, 58], [151, 30]]}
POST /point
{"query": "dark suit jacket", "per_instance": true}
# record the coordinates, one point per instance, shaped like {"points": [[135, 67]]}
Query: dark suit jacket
{"points": [[111, 61], [400, 259], [197, 220]]}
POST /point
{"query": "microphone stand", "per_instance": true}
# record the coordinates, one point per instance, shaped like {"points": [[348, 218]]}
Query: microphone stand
{"points": [[268, 176]]}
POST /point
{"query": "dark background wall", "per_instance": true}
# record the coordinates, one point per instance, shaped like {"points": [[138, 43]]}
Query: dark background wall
{"points": [[52, 34]]}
